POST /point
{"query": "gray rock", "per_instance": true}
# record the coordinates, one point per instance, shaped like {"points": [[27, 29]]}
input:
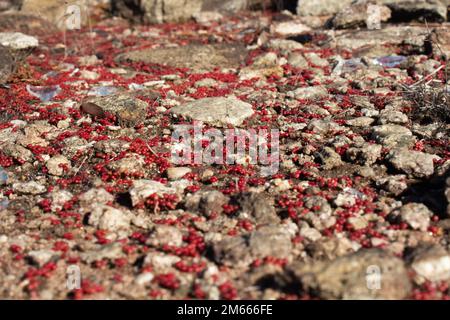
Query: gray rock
{"points": [[59, 198], [345, 199], [362, 102], [229, 6], [309, 93], [430, 262], [329, 158], [365, 155], [142, 189], [416, 215], [18, 152], [33, 134], [219, 112], [109, 218], [128, 110], [392, 135], [284, 44], [427, 67], [95, 196], [329, 248], [111, 145], [208, 82], [144, 278], [310, 234], [354, 276], [357, 15], [206, 202], [431, 10], [206, 17], [288, 28], [7, 64], [414, 163], [56, 164], [132, 163], [41, 257], [315, 60], [157, 11], [165, 235], [321, 7], [161, 262], [297, 60], [323, 126], [392, 116], [177, 172], [231, 250], [110, 251], [395, 184], [383, 42], [322, 217], [196, 57], [258, 206], [74, 145], [31, 187], [270, 240], [265, 65], [18, 41], [360, 122], [365, 171], [358, 223], [441, 41]]}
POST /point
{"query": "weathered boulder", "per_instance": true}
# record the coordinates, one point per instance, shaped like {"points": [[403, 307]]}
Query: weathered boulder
{"points": [[258, 206], [430, 262], [160, 11], [416, 215], [358, 14], [414, 163], [157, 11], [321, 7], [429, 10], [366, 274], [128, 110], [195, 57], [18, 41], [216, 111], [7, 64], [269, 240], [391, 39]]}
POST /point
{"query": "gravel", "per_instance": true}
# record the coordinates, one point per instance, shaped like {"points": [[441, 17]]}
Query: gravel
{"points": [[357, 207], [346, 277]]}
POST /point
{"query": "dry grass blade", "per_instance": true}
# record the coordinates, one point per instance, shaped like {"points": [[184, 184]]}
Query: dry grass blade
{"points": [[431, 102], [430, 97]]}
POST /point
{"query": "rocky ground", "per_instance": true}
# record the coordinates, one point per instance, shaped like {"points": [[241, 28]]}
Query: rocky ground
{"points": [[86, 118]]}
